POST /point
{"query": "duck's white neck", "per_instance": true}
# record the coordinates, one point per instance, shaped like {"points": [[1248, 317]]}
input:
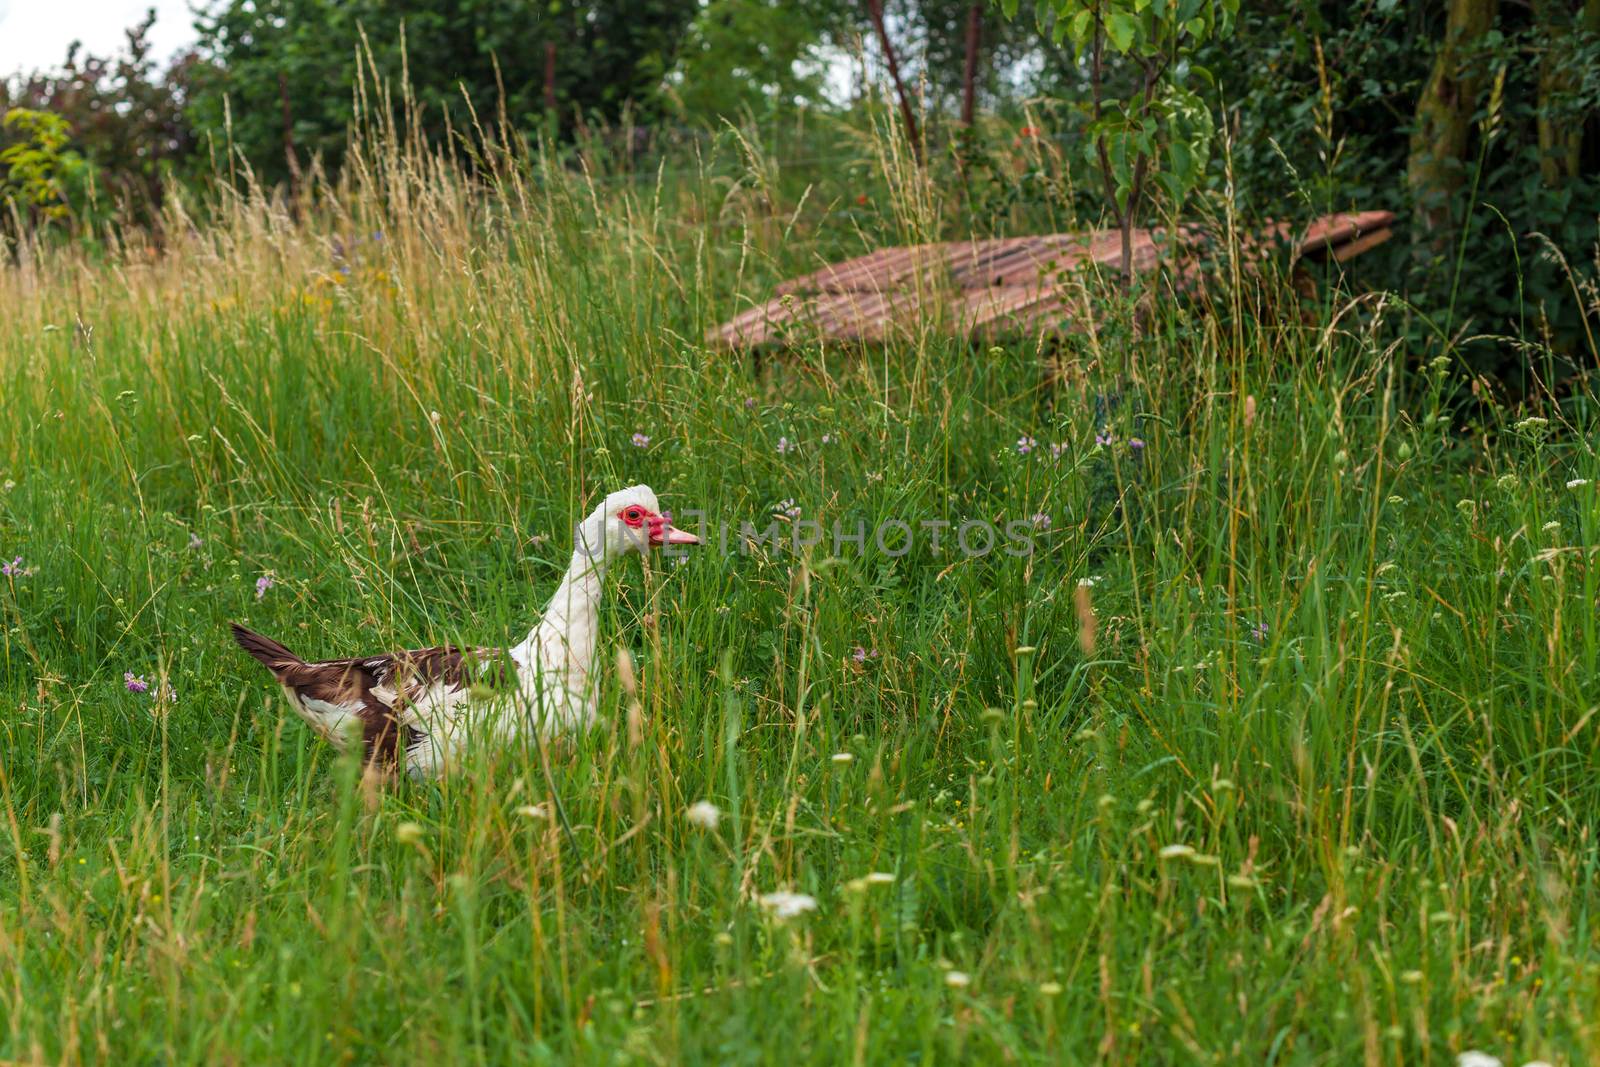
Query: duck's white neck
{"points": [[562, 646]]}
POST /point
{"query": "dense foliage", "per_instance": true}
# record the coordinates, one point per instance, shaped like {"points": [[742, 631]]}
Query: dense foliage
{"points": [[124, 116], [1474, 120], [1320, 101], [289, 77]]}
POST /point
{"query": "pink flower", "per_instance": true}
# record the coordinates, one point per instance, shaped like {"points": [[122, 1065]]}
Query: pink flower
{"points": [[1041, 520], [13, 569], [264, 583], [785, 446], [1135, 443], [1057, 450], [134, 683], [862, 655], [641, 440], [1026, 444]]}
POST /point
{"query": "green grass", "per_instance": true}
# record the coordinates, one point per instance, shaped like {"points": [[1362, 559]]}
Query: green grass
{"points": [[1337, 650]]}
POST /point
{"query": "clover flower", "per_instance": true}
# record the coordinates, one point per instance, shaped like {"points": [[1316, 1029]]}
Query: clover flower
{"points": [[704, 814], [784, 905], [641, 440], [133, 683]]}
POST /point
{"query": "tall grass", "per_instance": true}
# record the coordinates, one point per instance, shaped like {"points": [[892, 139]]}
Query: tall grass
{"points": [[1280, 748]]}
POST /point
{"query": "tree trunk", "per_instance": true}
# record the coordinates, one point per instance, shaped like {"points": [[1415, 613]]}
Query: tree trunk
{"points": [[969, 74], [875, 9], [290, 156], [1560, 137], [1589, 23], [549, 79], [1437, 163]]}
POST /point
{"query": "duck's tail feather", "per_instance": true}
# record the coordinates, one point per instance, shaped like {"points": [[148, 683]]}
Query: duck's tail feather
{"points": [[272, 655]]}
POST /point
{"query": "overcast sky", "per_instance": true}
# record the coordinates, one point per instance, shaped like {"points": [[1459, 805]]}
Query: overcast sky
{"points": [[36, 33]]}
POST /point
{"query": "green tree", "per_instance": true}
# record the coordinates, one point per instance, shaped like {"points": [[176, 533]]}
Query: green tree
{"points": [[284, 75], [1160, 130], [122, 114], [39, 173], [747, 56]]}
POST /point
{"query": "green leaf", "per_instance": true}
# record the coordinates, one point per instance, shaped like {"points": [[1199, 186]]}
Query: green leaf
{"points": [[1120, 30], [1081, 27]]}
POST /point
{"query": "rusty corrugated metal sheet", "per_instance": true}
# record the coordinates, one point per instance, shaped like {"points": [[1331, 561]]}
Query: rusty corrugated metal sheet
{"points": [[995, 287]]}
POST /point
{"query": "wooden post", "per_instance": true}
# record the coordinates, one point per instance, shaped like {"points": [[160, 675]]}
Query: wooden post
{"points": [[969, 75], [875, 8]]}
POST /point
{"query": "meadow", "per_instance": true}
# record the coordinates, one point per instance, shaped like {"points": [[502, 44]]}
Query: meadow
{"points": [[1279, 748]]}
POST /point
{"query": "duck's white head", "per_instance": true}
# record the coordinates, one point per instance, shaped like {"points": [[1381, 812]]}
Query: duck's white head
{"points": [[629, 520]]}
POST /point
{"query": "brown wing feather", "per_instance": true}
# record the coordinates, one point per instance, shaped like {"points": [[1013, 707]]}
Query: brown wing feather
{"points": [[354, 681]]}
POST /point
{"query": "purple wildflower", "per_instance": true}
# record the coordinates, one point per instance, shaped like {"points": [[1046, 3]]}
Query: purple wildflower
{"points": [[1259, 631], [264, 583], [827, 438], [641, 440], [134, 683], [862, 655], [1135, 443], [1105, 439], [1041, 520], [12, 569], [785, 446], [195, 541], [789, 508], [749, 403], [1026, 444], [1057, 450]]}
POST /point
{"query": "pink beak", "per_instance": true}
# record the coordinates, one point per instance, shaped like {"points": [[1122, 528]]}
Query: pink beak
{"points": [[662, 532]]}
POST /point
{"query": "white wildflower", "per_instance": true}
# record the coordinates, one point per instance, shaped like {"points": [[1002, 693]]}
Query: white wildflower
{"points": [[1176, 852], [957, 979], [1473, 1058], [1577, 483], [843, 757], [785, 905], [533, 811], [704, 814]]}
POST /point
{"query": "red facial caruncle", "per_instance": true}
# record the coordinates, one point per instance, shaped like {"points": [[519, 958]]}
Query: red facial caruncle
{"points": [[659, 526]]}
